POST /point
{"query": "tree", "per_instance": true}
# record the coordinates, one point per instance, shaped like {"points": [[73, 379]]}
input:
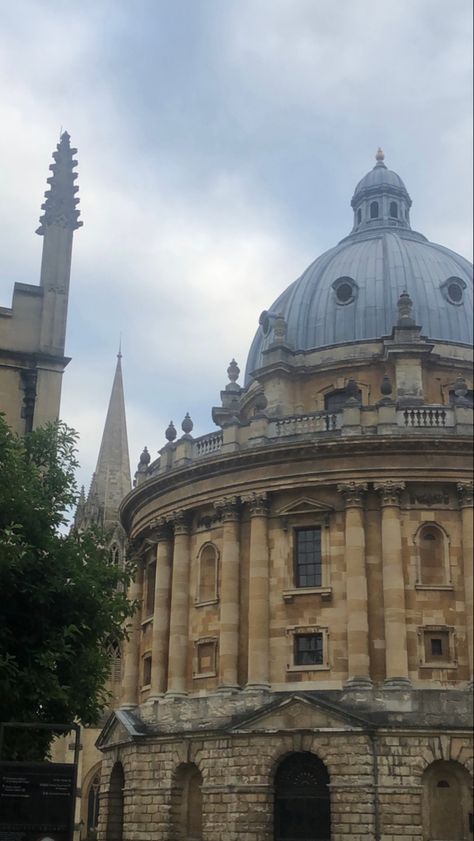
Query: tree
{"points": [[61, 598]]}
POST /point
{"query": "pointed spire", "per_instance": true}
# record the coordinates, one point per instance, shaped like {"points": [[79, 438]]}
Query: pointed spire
{"points": [[111, 480], [60, 205], [79, 515]]}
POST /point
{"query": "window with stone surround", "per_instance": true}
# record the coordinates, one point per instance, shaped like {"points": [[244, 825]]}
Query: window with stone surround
{"points": [[308, 648], [308, 559], [437, 647], [205, 657], [208, 565], [146, 670], [433, 562], [150, 578]]}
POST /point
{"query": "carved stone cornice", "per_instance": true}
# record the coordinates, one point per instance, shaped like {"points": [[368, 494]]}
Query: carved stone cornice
{"points": [[258, 502], [466, 494], [227, 508], [389, 491], [180, 522], [353, 493]]}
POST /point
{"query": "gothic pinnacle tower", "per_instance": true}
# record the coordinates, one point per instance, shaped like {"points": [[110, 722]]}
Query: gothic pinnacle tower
{"points": [[57, 225], [111, 480]]}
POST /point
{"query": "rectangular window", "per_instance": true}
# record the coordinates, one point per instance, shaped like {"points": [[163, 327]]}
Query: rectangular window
{"points": [[150, 589], [437, 647], [146, 671], [205, 658], [308, 571], [308, 649]]}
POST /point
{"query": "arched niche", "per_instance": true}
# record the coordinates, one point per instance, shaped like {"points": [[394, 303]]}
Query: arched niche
{"points": [[186, 803], [115, 804], [207, 574], [433, 567], [447, 802], [302, 807]]}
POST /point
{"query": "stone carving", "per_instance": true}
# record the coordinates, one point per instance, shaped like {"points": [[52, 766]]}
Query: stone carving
{"points": [[180, 521], [429, 499], [258, 502], [227, 508], [466, 494], [60, 205], [390, 491], [353, 492]]}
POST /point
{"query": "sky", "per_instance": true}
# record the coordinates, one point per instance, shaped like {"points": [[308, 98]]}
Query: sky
{"points": [[219, 143]]}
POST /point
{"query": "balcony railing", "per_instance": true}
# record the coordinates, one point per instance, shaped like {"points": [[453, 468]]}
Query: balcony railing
{"points": [[307, 424], [207, 445], [425, 417]]}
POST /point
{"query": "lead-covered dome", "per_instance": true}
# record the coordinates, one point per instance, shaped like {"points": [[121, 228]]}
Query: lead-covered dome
{"points": [[350, 293]]}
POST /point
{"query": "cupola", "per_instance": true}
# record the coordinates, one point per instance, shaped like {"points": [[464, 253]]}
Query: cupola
{"points": [[380, 199]]}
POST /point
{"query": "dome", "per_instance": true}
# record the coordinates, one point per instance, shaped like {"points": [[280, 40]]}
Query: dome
{"points": [[350, 293]]}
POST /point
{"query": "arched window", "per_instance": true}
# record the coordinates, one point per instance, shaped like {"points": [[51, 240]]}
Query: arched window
{"points": [[115, 654], [394, 209], [93, 804], [207, 574], [115, 804], [374, 210], [186, 803], [446, 802], [114, 553], [359, 216], [433, 556], [335, 400], [302, 806]]}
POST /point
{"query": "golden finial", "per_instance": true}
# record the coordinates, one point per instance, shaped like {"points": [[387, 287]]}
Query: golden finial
{"points": [[380, 156]]}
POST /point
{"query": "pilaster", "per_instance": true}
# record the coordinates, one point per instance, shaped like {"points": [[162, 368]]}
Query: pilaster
{"points": [[179, 616], [258, 642], [228, 509], [161, 613], [466, 501]]}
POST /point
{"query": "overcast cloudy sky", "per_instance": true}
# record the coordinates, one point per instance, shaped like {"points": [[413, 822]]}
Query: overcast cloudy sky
{"points": [[219, 144]]}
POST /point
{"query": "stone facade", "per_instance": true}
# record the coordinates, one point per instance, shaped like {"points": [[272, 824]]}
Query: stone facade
{"points": [[302, 662], [33, 330]]}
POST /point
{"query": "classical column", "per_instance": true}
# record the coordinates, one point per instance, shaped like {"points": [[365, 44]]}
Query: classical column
{"points": [[131, 648], [179, 618], [161, 611], [466, 499], [229, 596], [258, 618], [356, 586], [396, 655]]}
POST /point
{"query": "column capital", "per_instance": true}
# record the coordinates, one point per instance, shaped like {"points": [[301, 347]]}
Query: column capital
{"points": [[389, 492], [180, 522], [258, 502], [227, 508], [160, 529], [353, 493], [466, 494]]}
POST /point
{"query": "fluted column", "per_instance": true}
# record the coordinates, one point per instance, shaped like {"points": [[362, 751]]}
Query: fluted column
{"points": [[466, 499], [229, 596], [258, 619], [179, 618], [161, 611], [356, 586], [131, 649], [396, 654]]}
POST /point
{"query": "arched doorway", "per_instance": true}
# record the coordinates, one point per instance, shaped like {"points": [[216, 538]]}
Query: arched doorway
{"points": [[447, 804], [115, 804], [186, 804], [93, 806], [302, 806]]}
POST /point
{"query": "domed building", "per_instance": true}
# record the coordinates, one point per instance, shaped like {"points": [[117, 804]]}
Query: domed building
{"points": [[302, 661]]}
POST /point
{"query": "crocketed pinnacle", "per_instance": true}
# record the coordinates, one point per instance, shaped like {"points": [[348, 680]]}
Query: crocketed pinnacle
{"points": [[60, 205], [111, 480]]}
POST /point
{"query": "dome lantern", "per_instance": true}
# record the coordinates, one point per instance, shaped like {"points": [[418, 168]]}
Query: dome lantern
{"points": [[380, 199]]}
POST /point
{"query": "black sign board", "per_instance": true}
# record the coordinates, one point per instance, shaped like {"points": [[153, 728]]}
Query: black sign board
{"points": [[36, 801]]}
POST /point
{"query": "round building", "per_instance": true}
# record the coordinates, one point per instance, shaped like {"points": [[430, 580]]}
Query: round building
{"points": [[302, 661]]}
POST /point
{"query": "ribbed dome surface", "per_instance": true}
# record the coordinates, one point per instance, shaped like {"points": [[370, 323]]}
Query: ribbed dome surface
{"points": [[380, 264], [378, 178]]}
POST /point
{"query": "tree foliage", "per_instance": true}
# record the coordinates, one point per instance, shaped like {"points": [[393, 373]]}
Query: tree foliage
{"points": [[61, 599]]}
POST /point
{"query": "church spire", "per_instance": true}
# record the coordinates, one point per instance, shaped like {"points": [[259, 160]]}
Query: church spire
{"points": [[111, 480], [60, 205]]}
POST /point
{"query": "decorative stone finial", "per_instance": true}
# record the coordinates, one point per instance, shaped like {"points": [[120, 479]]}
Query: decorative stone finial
{"points": [[280, 328], [187, 424], [261, 403], [171, 433], [233, 371], [143, 461], [380, 155], [405, 310], [60, 205], [460, 391]]}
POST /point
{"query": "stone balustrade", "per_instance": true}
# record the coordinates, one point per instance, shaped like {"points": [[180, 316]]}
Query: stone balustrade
{"points": [[261, 430]]}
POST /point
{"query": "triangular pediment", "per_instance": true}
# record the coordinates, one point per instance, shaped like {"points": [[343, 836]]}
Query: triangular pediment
{"points": [[304, 505], [121, 726], [300, 713]]}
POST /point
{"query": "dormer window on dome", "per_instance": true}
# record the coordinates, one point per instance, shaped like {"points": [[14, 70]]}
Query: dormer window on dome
{"points": [[453, 290], [345, 290]]}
